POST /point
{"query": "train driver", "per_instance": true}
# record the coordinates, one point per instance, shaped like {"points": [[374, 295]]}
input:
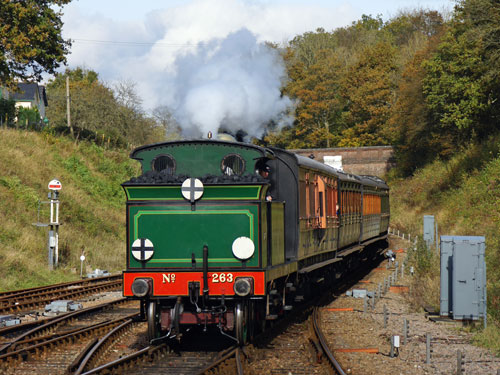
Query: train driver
{"points": [[264, 170]]}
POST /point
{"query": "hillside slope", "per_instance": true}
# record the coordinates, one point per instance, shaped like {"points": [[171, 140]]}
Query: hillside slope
{"points": [[464, 196], [92, 210]]}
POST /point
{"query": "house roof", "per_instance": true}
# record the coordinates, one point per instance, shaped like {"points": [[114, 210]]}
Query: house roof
{"points": [[27, 91]]}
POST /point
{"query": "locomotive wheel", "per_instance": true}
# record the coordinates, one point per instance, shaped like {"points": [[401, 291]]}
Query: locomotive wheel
{"points": [[176, 317], [240, 324], [153, 321]]}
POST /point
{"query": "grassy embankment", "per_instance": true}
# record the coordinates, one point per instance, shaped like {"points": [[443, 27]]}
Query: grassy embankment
{"points": [[92, 210], [464, 196]]}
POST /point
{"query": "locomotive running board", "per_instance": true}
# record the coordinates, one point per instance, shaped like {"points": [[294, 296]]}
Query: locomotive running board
{"points": [[319, 265], [351, 250]]}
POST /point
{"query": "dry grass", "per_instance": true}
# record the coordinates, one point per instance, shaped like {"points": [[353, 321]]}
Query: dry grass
{"points": [[92, 209], [464, 196]]}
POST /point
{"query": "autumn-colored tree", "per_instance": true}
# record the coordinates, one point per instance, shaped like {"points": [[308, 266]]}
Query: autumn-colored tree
{"points": [[30, 39], [368, 89], [308, 47], [315, 88], [91, 102], [406, 24], [410, 124], [96, 108]]}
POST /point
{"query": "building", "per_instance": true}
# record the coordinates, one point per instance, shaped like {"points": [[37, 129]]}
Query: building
{"points": [[29, 95], [371, 160]]}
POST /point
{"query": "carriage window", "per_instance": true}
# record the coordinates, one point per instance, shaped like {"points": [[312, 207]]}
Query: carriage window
{"points": [[232, 164], [164, 163], [303, 199]]}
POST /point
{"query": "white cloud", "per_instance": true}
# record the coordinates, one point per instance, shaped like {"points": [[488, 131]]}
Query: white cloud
{"points": [[177, 30]]}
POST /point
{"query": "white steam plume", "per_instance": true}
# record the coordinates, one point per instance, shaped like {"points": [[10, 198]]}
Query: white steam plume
{"points": [[233, 83]]}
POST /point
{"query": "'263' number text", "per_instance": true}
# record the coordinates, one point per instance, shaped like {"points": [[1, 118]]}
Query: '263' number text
{"points": [[222, 277]]}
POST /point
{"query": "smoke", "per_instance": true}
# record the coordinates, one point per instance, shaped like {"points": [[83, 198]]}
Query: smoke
{"points": [[232, 84]]}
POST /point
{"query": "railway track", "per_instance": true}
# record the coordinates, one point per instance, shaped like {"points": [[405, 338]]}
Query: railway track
{"points": [[95, 339], [321, 344], [51, 347], [160, 359], [28, 299], [297, 344]]}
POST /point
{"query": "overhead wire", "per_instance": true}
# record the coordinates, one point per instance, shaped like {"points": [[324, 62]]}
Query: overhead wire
{"points": [[130, 43]]}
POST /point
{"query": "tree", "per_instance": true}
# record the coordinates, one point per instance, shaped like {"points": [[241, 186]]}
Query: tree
{"points": [[27, 117], [315, 88], [407, 24], [97, 109], [30, 39], [126, 95], [92, 103], [461, 85], [7, 111], [410, 124], [165, 120], [368, 87], [307, 46]]}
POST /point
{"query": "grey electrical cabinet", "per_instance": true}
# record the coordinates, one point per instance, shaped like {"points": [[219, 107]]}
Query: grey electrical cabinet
{"points": [[463, 277], [429, 229]]}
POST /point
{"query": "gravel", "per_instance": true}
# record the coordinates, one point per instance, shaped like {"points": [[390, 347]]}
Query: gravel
{"points": [[359, 329]]}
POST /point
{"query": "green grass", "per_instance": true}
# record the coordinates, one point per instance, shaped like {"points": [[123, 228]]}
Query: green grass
{"points": [[92, 210], [464, 196]]}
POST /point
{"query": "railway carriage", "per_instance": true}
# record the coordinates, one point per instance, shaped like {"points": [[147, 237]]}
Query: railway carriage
{"points": [[211, 242]]}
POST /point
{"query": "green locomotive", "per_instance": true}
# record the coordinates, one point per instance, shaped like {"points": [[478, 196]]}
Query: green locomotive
{"points": [[214, 240]]}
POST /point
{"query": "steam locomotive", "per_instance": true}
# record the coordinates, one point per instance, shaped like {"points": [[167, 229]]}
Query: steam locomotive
{"points": [[211, 242]]}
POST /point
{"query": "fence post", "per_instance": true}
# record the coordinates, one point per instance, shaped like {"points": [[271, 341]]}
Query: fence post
{"points": [[459, 362], [405, 331], [428, 348]]}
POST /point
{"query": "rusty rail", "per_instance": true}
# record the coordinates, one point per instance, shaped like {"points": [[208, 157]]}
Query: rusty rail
{"points": [[315, 320]]}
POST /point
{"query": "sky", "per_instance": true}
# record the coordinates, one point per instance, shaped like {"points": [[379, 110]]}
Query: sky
{"points": [[145, 42]]}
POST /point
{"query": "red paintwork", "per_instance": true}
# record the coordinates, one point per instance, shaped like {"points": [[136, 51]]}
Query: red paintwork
{"points": [[178, 285]]}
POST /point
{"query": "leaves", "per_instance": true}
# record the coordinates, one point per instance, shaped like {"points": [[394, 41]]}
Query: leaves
{"points": [[96, 108], [30, 39]]}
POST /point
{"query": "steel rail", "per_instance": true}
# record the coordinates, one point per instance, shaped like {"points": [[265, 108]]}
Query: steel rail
{"points": [[20, 354], [41, 289], [53, 323], [127, 361], [233, 351], [17, 306], [99, 347], [324, 345]]}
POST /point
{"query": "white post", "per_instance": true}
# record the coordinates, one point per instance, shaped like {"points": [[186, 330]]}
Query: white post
{"points": [[82, 258], [54, 187]]}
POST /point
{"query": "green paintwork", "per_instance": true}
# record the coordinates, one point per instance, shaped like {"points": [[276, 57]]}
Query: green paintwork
{"points": [[173, 193], [278, 232], [198, 159], [176, 232]]}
